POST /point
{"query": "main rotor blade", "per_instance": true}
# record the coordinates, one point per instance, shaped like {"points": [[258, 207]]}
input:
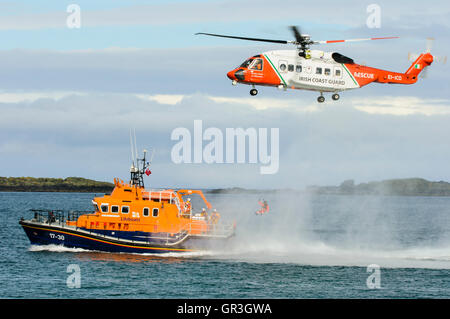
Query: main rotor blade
{"points": [[297, 34], [353, 40], [429, 44], [244, 38]]}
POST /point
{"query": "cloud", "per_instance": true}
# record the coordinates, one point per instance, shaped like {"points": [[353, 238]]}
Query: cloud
{"points": [[87, 135], [195, 12], [403, 105], [185, 71]]}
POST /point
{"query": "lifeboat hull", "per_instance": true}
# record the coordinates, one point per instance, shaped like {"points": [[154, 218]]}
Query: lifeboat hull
{"points": [[44, 234]]}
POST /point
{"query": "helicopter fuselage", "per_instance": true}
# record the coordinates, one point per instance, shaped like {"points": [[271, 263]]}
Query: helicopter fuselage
{"points": [[318, 71]]}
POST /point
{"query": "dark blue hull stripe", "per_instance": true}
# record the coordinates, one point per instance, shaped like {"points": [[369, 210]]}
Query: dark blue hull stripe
{"points": [[45, 235]]}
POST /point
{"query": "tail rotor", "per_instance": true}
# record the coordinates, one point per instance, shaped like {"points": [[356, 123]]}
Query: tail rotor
{"points": [[440, 59]]}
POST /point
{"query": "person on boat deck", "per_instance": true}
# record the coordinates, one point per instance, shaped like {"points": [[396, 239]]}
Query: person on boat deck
{"points": [[188, 206], [215, 216], [204, 214], [51, 217]]}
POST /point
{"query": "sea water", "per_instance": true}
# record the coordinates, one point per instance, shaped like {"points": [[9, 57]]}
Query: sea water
{"points": [[306, 246]]}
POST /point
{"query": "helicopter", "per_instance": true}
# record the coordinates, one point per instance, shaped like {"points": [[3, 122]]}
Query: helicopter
{"points": [[316, 70]]}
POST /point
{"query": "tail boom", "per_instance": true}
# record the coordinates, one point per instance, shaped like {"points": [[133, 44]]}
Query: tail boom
{"points": [[365, 75]]}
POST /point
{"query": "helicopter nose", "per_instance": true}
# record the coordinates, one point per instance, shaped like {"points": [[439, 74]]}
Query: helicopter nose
{"points": [[231, 75], [238, 75]]}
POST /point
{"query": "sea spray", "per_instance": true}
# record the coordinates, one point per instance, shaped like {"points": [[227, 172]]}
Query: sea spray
{"points": [[331, 230]]}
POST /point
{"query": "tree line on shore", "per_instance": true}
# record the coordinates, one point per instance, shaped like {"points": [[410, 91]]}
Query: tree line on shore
{"points": [[399, 187], [69, 184]]}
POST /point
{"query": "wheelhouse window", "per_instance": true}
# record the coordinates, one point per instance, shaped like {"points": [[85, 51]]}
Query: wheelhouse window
{"points": [[114, 209], [291, 68], [146, 212], [298, 68], [327, 71], [155, 212], [104, 208], [318, 70], [257, 64], [125, 209], [96, 207]]}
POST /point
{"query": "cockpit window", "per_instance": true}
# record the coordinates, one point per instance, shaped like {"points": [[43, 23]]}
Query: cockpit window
{"points": [[246, 63], [257, 64]]}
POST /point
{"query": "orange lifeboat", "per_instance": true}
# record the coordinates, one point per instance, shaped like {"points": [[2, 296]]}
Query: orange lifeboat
{"points": [[132, 219]]}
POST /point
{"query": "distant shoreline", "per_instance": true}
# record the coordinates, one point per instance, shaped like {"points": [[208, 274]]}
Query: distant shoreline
{"points": [[57, 185], [391, 187]]}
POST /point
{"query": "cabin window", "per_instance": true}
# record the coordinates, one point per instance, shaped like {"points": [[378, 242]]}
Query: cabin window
{"points": [[337, 72], [298, 68], [114, 209], [257, 64], [125, 209], [146, 212], [282, 66], [327, 71], [155, 212], [291, 68], [96, 207], [318, 70], [104, 208]]}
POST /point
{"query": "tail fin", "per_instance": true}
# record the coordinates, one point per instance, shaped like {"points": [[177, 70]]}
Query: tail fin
{"points": [[424, 60]]}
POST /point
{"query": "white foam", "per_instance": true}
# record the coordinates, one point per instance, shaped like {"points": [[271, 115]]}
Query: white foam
{"points": [[321, 254], [55, 248], [184, 254], [60, 249]]}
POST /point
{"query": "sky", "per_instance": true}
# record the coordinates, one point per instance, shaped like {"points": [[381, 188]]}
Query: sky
{"points": [[69, 96]]}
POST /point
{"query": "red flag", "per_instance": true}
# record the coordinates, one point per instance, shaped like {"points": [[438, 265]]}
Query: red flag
{"points": [[147, 172]]}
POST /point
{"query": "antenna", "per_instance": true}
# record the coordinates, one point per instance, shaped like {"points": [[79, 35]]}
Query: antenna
{"points": [[132, 151], [135, 148], [153, 153], [139, 165]]}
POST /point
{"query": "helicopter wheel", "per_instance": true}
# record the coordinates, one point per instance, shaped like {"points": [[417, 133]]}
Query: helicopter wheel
{"points": [[321, 99], [253, 92], [335, 96]]}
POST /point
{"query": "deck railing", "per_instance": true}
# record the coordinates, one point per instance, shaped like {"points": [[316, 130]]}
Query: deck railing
{"points": [[57, 216]]}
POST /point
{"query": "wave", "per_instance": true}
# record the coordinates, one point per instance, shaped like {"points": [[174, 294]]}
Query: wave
{"points": [[55, 248], [94, 254]]}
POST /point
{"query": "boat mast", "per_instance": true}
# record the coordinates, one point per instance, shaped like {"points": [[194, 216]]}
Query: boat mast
{"points": [[137, 172], [138, 165]]}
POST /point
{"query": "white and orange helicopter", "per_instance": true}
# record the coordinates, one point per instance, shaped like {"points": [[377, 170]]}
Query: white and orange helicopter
{"points": [[316, 70]]}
